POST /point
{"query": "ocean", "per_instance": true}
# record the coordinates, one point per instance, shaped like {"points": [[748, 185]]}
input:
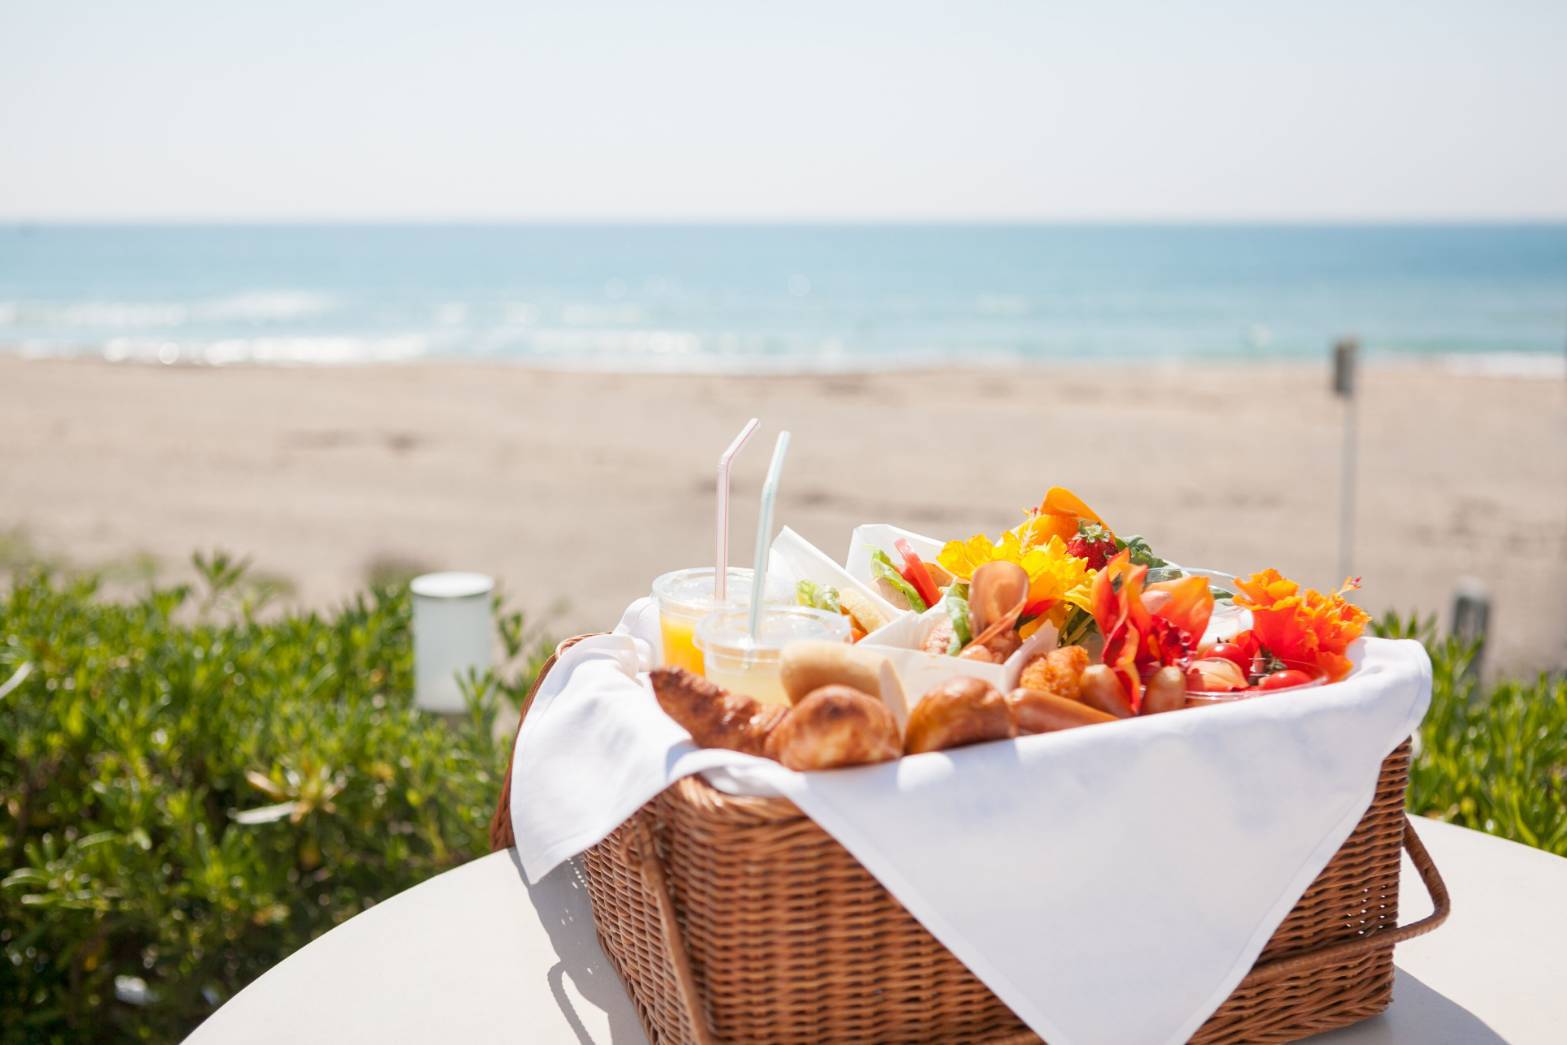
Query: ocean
{"points": [[782, 297]]}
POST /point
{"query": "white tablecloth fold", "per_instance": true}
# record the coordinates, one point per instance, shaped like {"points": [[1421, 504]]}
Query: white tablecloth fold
{"points": [[1110, 884]]}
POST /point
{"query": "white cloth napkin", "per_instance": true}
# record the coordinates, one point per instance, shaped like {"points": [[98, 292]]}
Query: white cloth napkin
{"points": [[1110, 884]]}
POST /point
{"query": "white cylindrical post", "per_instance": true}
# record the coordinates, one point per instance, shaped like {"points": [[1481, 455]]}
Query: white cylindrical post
{"points": [[453, 633]]}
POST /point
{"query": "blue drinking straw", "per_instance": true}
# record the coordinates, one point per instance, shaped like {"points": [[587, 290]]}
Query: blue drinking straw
{"points": [[764, 531]]}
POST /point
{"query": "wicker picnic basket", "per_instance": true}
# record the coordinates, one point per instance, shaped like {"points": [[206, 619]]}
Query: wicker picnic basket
{"points": [[735, 919]]}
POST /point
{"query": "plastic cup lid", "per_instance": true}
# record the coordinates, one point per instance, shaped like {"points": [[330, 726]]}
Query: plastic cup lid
{"points": [[451, 585], [730, 629]]}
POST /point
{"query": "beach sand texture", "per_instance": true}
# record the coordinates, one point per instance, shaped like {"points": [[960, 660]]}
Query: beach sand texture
{"points": [[581, 487]]}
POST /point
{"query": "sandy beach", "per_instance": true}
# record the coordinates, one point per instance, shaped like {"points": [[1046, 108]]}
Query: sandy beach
{"points": [[576, 489]]}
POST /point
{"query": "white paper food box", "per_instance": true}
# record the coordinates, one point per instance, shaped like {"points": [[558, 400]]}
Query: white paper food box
{"points": [[900, 643], [793, 559]]}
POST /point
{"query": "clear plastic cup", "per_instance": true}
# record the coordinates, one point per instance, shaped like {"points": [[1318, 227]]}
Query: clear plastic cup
{"points": [[741, 664], [685, 597]]}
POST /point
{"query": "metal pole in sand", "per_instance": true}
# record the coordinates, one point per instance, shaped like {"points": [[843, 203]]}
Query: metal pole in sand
{"points": [[1345, 365]]}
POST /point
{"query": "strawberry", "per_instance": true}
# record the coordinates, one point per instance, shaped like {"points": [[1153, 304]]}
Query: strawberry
{"points": [[1094, 543]]}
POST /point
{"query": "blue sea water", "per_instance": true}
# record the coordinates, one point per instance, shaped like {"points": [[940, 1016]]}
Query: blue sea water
{"points": [[782, 297]]}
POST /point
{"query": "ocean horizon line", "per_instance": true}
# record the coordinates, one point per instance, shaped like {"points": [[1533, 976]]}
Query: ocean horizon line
{"points": [[1551, 221]]}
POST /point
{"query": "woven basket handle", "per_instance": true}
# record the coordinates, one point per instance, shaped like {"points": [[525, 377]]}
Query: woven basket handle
{"points": [[501, 836], [654, 881], [645, 856], [1441, 904]]}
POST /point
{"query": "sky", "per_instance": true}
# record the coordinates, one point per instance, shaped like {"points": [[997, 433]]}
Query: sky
{"points": [[511, 110]]}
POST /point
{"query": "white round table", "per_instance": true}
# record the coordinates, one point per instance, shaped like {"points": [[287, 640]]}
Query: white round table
{"points": [[476, 955]]}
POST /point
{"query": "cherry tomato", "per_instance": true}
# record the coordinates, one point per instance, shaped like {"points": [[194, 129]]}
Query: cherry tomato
{"points": [[1285, 679], [1233, 652]]}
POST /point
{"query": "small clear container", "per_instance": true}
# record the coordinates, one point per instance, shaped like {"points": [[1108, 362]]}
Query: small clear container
{"points": [[684, 598], [1203, 698], [745, 665]]}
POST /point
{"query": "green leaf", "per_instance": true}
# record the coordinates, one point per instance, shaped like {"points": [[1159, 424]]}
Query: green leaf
{"points": [[883, 570], [817, 596]]}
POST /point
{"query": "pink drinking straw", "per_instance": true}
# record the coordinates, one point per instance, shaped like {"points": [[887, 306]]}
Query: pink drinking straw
{"points": [[721, 577]]}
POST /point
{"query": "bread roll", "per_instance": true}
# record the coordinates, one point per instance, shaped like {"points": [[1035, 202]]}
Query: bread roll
{"points": [[1099, 688], [807, 666], [1037, 711], [1165, 691], [958, 711], [833, 727], [714, 716]]}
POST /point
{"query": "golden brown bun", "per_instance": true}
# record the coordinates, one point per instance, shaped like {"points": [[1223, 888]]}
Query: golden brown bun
{"points": [[809, 665], [1037, 711], [713, 716], [1165, 691], [1099, 688], [833, 727], [1056, 672], [959, 711]]}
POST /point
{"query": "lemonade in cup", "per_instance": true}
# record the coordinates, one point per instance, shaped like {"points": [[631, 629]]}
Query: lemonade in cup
{"points": [[685, 597], [742, 664]]}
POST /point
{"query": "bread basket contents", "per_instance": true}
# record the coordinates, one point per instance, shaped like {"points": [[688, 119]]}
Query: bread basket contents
{"points": [[862, 613], [1058, 623]]}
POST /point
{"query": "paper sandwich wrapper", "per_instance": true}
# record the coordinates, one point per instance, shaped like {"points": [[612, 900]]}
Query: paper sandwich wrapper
{"points": [[793, 559], [869, 537]]}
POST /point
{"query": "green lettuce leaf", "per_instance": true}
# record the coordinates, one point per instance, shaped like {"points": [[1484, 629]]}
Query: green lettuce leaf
{"points": [[883, 570], [817, 596]]}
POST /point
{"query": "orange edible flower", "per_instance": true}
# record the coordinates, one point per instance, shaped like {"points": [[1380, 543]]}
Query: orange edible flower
{"points": [[1299, 625], [1058, 515]]}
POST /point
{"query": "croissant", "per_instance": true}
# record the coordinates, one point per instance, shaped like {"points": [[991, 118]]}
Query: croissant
{"points": [[958, 711], [1056, 672], [835, 726], [714, 716]]}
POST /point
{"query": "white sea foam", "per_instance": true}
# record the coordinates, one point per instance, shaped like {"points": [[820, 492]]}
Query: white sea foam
{"points": [[259, 306], [275, 351], [1537, 365], [266, 306]]}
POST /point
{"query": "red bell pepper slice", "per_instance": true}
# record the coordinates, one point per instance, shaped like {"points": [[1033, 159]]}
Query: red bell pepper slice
{"points": [[915, 573]]}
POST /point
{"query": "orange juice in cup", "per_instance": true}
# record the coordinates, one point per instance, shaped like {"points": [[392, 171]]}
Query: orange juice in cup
{"points": [[685, 597]]}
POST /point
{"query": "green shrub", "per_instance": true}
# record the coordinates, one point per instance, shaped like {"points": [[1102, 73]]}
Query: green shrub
{"points": [[192, 790], [1494, 758]]}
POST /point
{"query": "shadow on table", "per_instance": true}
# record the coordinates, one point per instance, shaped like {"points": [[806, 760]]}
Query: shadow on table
{"points": [[561, 900], [1419, 1013]]}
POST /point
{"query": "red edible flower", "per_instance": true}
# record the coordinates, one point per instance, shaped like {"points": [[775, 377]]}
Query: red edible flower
{"points": [[1147, 628]]}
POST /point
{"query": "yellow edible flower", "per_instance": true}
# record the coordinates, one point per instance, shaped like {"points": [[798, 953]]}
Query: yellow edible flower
{"points": [[1056, 577]]}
